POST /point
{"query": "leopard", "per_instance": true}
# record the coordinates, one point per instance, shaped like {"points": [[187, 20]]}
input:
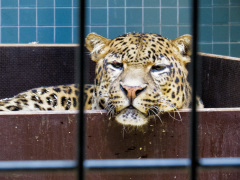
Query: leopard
{"points": [[137, 76], [52, 98]]}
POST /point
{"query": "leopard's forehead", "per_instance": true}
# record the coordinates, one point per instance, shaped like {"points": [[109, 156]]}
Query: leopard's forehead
{"points": [[141, 47]]}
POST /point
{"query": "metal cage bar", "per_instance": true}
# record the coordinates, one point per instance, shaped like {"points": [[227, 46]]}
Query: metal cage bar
{"points": [[194, 116], [81, 120]]}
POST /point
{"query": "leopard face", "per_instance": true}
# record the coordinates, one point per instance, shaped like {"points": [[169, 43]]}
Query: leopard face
{"points": [[140, 75]]}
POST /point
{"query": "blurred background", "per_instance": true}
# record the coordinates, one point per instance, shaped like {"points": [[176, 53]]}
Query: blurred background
{"points": [[56, 21]]}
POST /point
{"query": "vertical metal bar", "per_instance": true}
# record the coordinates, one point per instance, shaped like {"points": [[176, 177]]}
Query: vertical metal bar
{"points": [[194, 123], [81, 119]]}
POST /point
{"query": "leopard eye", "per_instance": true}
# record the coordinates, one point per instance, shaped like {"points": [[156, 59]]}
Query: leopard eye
{"points": [[117, 65], [158, 68]]}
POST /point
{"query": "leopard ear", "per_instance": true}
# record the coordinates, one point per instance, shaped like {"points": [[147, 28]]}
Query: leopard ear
{"points": [[97, 45], [183, 45]]}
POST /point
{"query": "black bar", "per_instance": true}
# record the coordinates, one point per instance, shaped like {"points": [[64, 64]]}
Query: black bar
{"points": [[81, 119], [194, 122]]}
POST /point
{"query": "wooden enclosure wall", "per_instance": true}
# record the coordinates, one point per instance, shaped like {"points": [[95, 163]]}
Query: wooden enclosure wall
{"points": [[53, 136]]}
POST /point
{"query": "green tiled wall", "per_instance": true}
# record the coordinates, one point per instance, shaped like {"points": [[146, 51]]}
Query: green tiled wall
{"points": [[219, 29], [56, 21]]}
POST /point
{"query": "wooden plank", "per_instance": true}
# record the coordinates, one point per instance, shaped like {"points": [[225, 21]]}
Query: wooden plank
{"points": [[53, 136], [220, 81]]}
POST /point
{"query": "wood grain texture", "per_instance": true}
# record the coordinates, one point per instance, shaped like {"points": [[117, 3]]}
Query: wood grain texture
{"points": [[53, 136]]}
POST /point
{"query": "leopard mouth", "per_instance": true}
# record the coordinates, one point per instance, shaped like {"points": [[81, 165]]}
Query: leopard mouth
{"points": [[131, 116]]}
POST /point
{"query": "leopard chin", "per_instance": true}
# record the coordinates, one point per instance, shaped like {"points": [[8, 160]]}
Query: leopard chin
{"points": [[131, 117]]}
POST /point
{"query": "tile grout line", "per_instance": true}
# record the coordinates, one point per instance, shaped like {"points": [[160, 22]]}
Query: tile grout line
{"points": [[149, 7], [107, 20], [122, 26], [177, 18], [229, 29], [72, 21], [54, 21], [125, 16], [160, 17], [18, 23], [90, 14], [36, 22], [142, 17], [212, 26]]}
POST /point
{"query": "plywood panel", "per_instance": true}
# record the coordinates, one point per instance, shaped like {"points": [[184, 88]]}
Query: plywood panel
{"points": [[53, 136]]}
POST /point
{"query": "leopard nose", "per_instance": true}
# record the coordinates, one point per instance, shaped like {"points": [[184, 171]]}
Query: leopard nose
{"points": [[132, 91]]}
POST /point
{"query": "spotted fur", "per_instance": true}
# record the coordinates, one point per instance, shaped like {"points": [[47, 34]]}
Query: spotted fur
{"points": [[137, 76], [140, 75], [63, 97]]}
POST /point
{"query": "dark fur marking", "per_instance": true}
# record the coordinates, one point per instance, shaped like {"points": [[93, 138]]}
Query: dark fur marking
{"points": [[57, 90], [102, 101], [90, 101], [68, 104], [178, 88], [74, 102], [153, 50], [54, 99], [70, 91], [173, 71], [37, 106], [63, 101], [99, 69], [34, 91], [44, 91], [34, 98], [183, 98], [177, 80], [18, 102], [179, 71], [48, 100], [101, 106], [125, 49], [13, 108], [154, 58]]}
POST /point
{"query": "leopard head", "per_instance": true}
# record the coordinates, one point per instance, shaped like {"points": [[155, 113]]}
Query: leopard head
{"points": [[139, 75]]}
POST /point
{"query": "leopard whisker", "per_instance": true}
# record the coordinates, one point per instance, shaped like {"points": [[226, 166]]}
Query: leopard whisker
{"points": [[156, 115], [175, 109]]}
